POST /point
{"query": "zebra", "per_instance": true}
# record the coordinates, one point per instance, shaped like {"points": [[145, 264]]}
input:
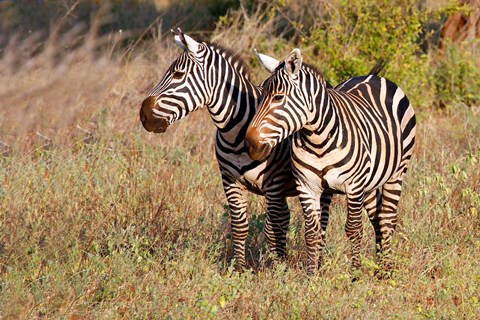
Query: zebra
{"points": [[208, 75], [355, 139]]}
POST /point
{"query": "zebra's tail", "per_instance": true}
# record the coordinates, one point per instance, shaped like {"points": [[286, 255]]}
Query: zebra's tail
{"points": [[378, 67]]}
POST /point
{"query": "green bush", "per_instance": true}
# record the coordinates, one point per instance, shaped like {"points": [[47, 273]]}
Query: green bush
{"points": [[455, 75], [346, 38], [352, 35]]}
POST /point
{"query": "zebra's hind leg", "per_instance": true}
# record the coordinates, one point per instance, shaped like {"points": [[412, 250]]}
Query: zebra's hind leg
{"points": [[276, 226], [354, 226], [237, 201], [387, 220], [373, 205]]}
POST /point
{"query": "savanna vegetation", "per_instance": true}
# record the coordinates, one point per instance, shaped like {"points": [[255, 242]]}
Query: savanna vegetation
{"points": [[101, 219]]}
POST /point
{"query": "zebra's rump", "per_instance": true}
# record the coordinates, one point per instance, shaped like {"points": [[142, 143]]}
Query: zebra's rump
{"points": [[388, 104]]}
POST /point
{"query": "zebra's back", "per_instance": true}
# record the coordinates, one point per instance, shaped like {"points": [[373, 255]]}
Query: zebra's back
{"points": [[390, 100]]}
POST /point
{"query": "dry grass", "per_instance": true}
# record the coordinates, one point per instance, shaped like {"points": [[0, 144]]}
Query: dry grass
{"points": [[100, 219]]}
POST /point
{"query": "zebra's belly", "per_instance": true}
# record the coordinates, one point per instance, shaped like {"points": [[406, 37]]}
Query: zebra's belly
{"points": [[320, 173], [271, 175]]}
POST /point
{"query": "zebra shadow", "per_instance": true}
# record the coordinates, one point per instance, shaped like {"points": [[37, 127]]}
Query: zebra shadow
{"points": [[256, 247]]}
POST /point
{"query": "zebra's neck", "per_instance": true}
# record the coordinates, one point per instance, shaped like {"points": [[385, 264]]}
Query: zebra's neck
{"points": [[233, 98], [325, 131]]}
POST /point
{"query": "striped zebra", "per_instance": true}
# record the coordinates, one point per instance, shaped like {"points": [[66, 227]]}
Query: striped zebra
{"points": [[356, 139], [209, 75]]}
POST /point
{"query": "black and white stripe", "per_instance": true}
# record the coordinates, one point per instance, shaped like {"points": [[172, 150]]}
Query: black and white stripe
{"points": [[356, 139], [211, 76]]}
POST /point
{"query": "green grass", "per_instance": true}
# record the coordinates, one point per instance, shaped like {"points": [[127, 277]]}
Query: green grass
{"points": [[130, 224]]}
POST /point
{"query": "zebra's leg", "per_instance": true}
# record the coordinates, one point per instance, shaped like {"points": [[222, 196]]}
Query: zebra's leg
{"points": [[387, 220], [354, 226], [276, 225], [373, 205], [237, 201], [313, 230], [325, 201]]}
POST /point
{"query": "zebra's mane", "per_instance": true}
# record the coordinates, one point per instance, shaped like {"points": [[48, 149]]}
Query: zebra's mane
{"points": [[310, 68], [233, 57], [315, 71]]}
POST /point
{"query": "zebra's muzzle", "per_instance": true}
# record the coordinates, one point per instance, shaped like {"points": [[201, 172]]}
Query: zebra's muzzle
{"points": [[157, 125], [149, 121], [257, 150]]}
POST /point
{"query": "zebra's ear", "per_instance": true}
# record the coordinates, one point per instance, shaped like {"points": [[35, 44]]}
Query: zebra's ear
{"points": [[293, 62], [178, 41], [191, 44], [269, 63], [184, 41]]}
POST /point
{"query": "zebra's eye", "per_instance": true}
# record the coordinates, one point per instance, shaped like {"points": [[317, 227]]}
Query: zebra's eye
{"points": [[278, 97], [178, 75]]}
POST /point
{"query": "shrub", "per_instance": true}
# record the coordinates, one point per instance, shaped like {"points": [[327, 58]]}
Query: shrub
{"points": [[455, 75], [350, 36], [346, 38]]}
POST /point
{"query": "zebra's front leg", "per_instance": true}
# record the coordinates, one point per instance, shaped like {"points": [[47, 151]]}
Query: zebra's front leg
{"points": [[354, 226], [237, 201], [313, 230], [276, 225], [325, 201]]}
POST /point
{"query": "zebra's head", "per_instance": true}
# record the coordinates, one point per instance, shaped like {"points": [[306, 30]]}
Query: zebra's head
{"points": [[171, 99], [284, 107]]}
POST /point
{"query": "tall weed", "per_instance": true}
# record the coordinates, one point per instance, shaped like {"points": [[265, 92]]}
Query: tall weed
{"points": [[455, 75]]}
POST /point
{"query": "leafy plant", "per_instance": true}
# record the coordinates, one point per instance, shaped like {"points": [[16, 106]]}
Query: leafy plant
{"points": [[456, 75]]}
